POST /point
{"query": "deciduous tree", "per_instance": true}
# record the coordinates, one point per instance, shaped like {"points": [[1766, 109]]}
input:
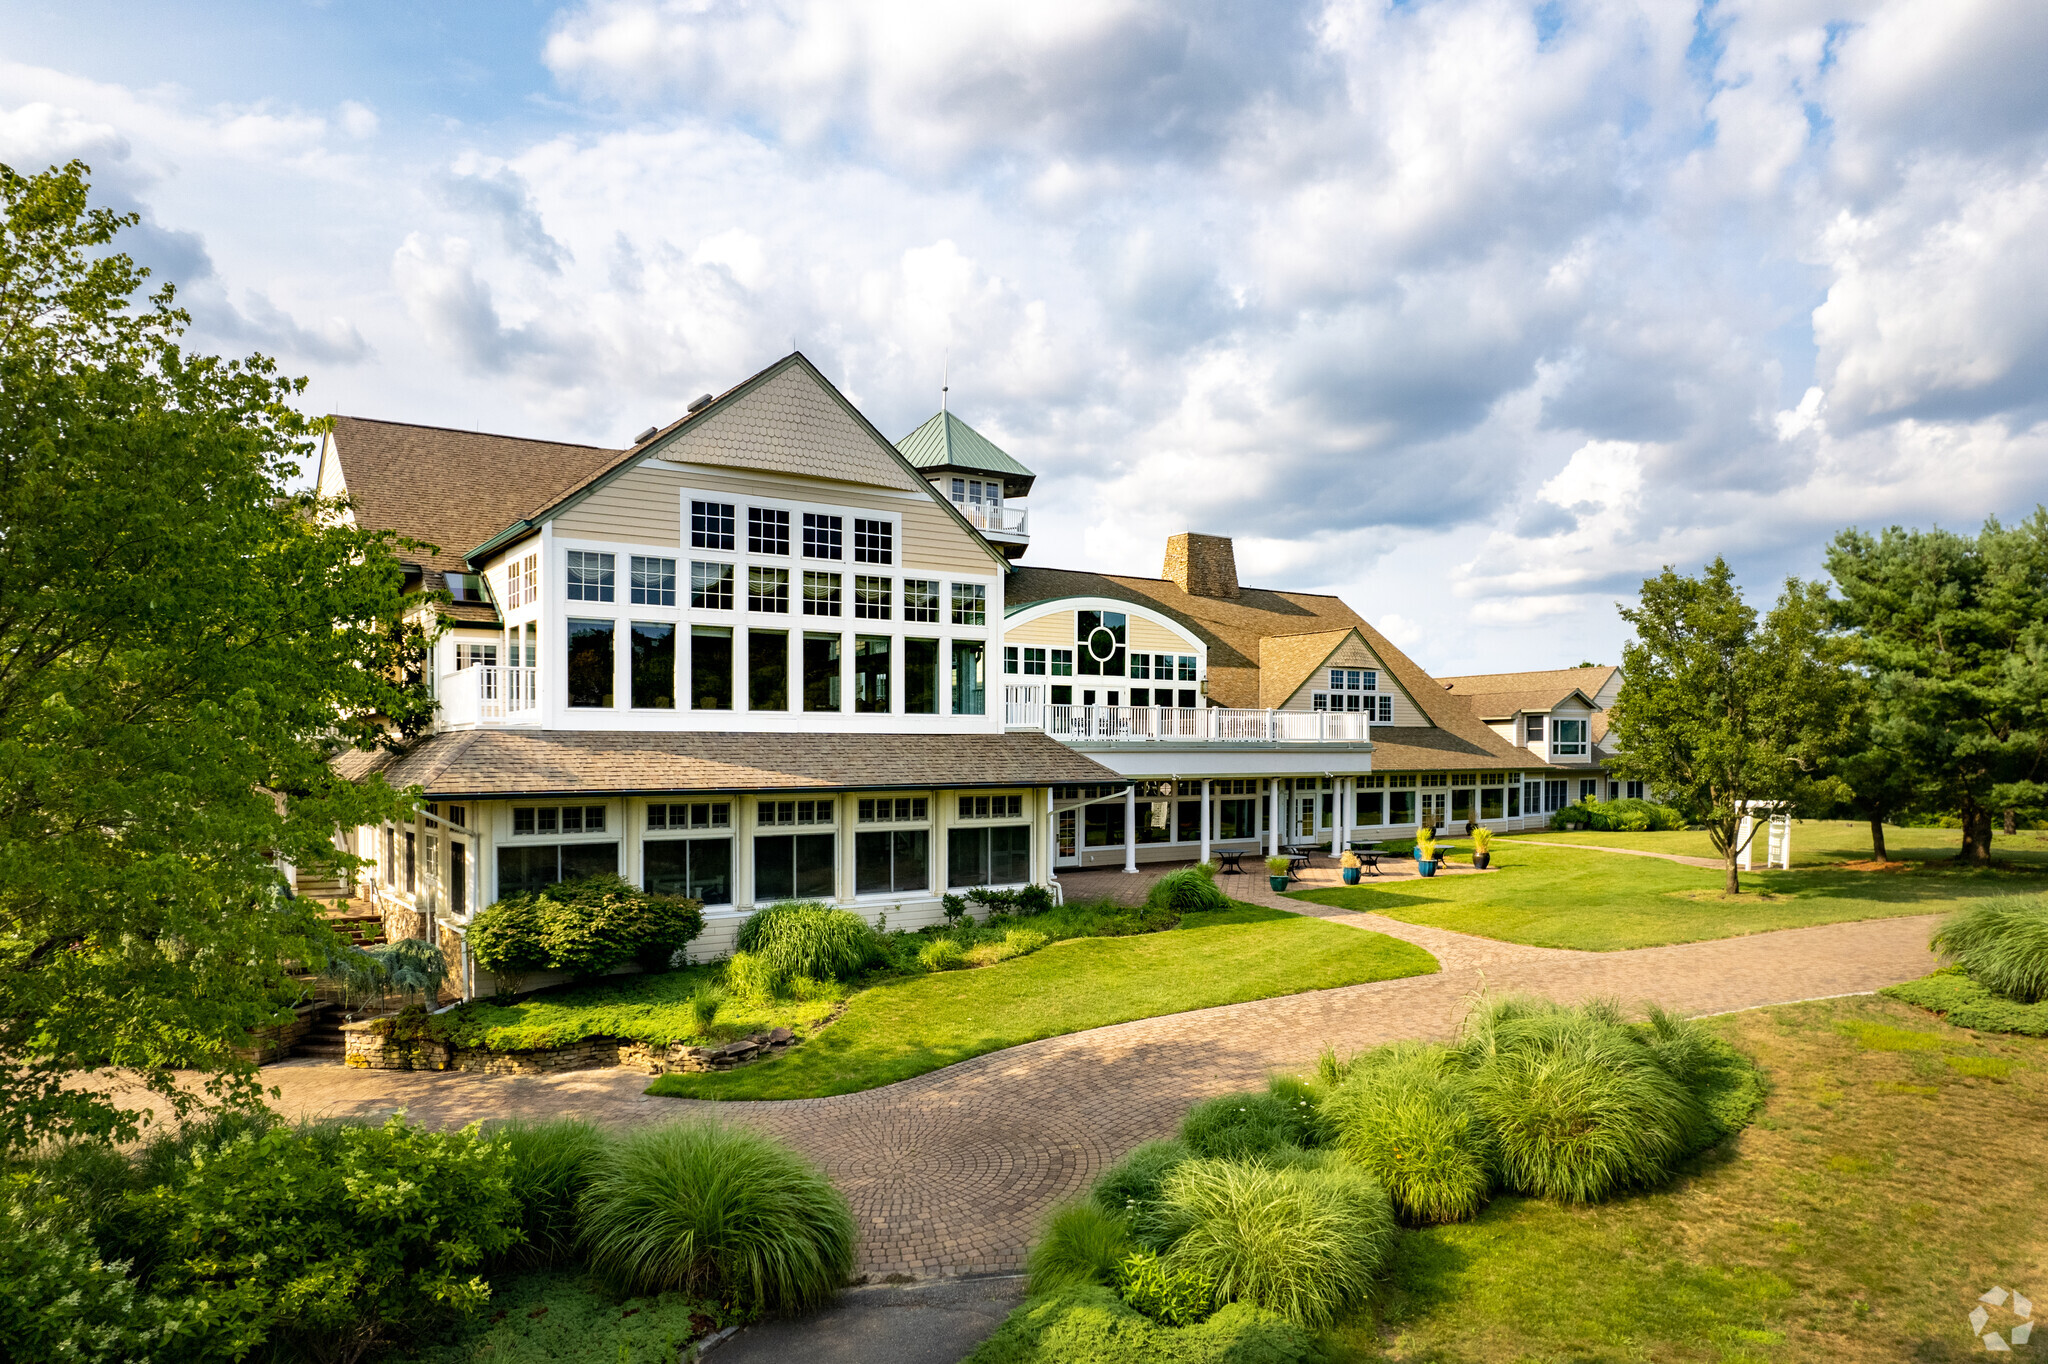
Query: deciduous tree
{"points": [[184, 644], [1717, 709]]}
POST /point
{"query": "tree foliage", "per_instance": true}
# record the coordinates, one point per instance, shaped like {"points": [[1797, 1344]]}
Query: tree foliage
{"points": [[184, 644], [1717, 709], [1951, 632]]}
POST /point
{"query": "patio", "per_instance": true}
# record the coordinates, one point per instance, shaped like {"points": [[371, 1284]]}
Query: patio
{"points": [[1130, 888]]}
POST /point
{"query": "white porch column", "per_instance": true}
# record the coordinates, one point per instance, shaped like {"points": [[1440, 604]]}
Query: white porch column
{"points": [[1205, 819], [1273, 824], [1336, 817], [1052, 836], [1131, 827]]}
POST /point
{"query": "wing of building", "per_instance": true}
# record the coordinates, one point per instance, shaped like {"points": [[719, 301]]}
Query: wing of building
{"points": [[764, 653]]}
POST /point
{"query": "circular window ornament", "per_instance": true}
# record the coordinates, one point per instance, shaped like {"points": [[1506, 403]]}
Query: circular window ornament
{"points": [[1101, 644]]}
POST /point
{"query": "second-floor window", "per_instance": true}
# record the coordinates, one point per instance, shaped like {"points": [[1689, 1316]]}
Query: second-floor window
{"points": [[1354, 679], [874, 542], [590, 576], [970, 604], [870, 597], [1568, 738], [1534, 729], [821, 536], [768, 590], [767, 531], [654, 581], [711, 525], [921, 601], [821, 594], [711, 586]]}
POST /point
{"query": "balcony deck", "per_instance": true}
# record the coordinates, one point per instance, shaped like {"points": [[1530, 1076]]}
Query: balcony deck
{"points": [[1179, 725], [483, 695]]}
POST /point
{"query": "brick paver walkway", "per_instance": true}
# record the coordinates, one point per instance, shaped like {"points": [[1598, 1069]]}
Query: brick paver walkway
{"points": [[951, 1173]]}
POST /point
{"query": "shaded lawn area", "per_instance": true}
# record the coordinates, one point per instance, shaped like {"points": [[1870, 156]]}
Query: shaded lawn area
{"points": [[1893, 1175], [1605, 902], [903, 1027], [1818, 842]]}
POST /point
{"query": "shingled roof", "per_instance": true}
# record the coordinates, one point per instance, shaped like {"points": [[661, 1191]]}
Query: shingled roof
{"points": [[1498, 695], [495, 763], [1293, 629], [943, 441]]}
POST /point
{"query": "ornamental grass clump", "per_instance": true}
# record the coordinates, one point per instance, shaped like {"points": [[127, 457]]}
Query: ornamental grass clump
{"points": [[717, 1212], [1404, 1113], [1242, 1126], [1083, 1244], [1131, 1188], [804, 938], [551, 1163], [942, 954], [2002, 944], [1576, 1104], [1189, 890], [1303, 1239]]}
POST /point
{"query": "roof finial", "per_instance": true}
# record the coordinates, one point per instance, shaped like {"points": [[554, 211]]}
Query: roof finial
{"points": [[945, 378]]}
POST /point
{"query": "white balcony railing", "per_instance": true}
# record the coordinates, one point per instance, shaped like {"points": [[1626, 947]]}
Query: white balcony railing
{"points": [[483, 695], [996, 520], [1211, 724]]}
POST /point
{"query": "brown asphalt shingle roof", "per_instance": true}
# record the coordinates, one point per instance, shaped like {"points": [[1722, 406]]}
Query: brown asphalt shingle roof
{"points": [[1557, 683], [503, 762]]}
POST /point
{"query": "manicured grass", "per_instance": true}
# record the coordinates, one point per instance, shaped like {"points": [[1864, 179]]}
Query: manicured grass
{"points": [[1881, 1190], [650, 1008], [904, 1027], [1818, 842], [1603, 902]]}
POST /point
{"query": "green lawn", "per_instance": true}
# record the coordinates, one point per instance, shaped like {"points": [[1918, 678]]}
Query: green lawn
{"points": [[1818, 842], [1602, 902], [904, 1027], [1893, 1175]]}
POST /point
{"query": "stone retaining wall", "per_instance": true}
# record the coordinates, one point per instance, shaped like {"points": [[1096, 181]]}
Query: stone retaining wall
{"points": [[368, 1049], [276, 1042]]}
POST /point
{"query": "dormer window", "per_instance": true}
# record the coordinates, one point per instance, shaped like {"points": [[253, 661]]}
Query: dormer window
{"points": [[1534, 730], [465, 586], [1568, 738]]}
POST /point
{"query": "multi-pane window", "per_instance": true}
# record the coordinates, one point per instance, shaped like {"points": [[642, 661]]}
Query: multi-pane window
{"points": [[711, 586], [700, 814], [991, 807], [921, 600], [776, 814], [768, 590], [870, 597], [654, 581], [997, 856], [874, 542], [890, 861], [513, 596], [821, 536], [1354, 679], [1568, 737], [522, 577], [1379, 709], [475, 656], [897, 810], [527, 867], [1034, 662], [821, 594], [1062, 662], [767, 531], [1009, 658], [700, 868], [970, 604], [711, 525], [1533, 729], [590, 576], [557, 819], [1100, 637]]}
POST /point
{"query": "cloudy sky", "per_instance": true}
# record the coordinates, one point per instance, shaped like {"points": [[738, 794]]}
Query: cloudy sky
{"points": [[1474, 312]]}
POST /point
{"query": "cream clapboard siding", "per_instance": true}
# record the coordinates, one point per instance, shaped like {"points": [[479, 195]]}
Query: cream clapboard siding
{"points": [[1352, 653], [644, 506], [1145, 634], [1054, 628], [1057, 627]]}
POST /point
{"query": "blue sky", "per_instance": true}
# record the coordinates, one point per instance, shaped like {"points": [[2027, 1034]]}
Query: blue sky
{"points": [[1475, 312]]}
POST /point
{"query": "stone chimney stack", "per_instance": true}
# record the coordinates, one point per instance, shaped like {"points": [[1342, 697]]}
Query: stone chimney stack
{"points": [[1202, 565]]}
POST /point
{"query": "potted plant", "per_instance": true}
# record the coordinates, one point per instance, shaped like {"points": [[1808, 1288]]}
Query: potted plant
{"points": [[1350, 863], [1425, 856], [1482, 843], [1276, 872]]}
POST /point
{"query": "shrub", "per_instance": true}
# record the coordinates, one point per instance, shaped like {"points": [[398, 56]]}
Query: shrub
{"points": [[1403, 1112], [954, 908], [1189, 890], [1132, 1186], [1303, 1239], [804, 938], [551, 1163], [1033, 900], [716, 1211], [1082, 1244], [1575, 1103], [750, 976], [1240, 1126], [412, 966], [59, 1299], [585, 927], [1619, 816], [942, 954], [323, 1241], [1172, 1295], [2002, 944], [1095, 1325]]}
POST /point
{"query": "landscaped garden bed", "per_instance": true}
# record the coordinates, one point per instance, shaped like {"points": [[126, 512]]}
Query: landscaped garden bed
{"points": [[1997, 979]]}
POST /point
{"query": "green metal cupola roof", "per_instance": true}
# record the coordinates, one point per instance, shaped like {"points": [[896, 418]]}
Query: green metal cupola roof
{"points": [[945, 444]]}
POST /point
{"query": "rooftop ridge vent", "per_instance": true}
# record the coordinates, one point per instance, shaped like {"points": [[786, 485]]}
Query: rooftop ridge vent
{"points": [[646, 435], [703, 401]]}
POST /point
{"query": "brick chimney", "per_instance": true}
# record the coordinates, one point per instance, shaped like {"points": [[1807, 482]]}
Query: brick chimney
{"points": [[1202, 565]]}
